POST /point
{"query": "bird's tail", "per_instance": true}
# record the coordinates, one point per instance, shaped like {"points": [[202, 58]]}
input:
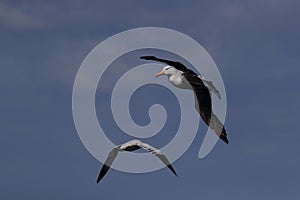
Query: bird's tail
{"points": [[218, 127]]}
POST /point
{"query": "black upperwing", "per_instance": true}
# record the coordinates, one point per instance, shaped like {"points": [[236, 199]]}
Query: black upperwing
{"points": [[158, 154], [176, 64], [202, 94], [110, 159], [205, 106], [164, 159]]}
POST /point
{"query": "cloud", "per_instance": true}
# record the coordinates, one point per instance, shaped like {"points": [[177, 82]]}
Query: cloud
{"points": [[17, 18], [255, 45]]}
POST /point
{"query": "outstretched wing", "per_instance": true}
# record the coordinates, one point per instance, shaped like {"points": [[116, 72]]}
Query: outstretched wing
{"points": [[202, 94], [203, 98], [110, 159], [158, 154], [204, 105], [183, 68], [176, 64]]}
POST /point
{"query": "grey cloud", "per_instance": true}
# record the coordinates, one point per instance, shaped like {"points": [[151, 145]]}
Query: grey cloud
{"points": [[255, 45], [17, 18]]}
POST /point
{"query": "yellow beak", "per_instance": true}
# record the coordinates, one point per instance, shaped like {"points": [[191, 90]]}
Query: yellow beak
{"points": [[162, 72]]}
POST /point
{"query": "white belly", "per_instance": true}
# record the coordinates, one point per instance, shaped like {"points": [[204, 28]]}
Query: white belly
{"points": [[179, 81]]}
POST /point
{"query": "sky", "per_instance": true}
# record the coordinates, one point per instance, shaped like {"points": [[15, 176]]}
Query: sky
{"points": [[256, 46]]}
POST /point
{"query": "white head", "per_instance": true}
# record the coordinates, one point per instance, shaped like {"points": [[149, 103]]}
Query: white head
{"points": [[167, 70]]}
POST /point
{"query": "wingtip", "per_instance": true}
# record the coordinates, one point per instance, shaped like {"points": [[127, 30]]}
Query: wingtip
{"points": [[223, 136], [148, 57], [102, 173], [172, 169], [143, 57], [225, 140], [98, 179]]}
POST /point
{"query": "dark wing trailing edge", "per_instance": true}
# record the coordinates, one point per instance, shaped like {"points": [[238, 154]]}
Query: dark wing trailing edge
{"points": [[203, 102], [201, 92], [183, 68], [164, 159], [110, 159], [177, 65], [219, 128], [132, 146], [203, 98], [158, 154]]}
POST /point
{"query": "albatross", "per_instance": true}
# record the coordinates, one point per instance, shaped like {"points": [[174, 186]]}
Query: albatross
{"points": [[182, 77], [132, 145]]}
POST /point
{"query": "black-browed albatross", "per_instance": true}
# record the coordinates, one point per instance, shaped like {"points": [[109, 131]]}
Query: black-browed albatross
{"points": [[132, 145], [182, 77]]}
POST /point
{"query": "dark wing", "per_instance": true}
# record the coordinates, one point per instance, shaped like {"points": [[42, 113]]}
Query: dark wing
{"points": [[111, 157], [158, 154], [204, 105], [164, 159], [202, 96], [219, 128], [183, 68], [177, 65]]}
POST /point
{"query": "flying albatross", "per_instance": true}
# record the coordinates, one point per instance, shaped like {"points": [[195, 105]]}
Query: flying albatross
{"points": [[132, 145], [182, 77]]}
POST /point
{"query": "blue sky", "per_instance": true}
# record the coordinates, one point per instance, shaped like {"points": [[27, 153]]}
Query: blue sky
{"points": [[256, 45]]}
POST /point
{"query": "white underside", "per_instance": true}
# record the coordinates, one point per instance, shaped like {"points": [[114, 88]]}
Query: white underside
{"points": [[179, 81]]}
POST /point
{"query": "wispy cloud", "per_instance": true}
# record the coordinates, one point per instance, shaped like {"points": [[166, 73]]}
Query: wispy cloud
{"points": [[17, 18]]}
